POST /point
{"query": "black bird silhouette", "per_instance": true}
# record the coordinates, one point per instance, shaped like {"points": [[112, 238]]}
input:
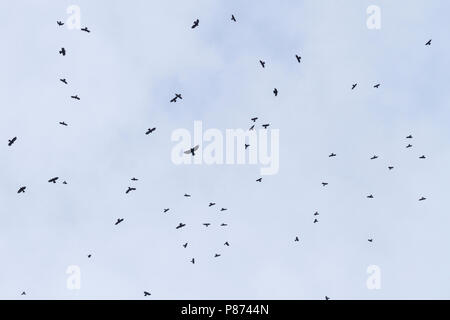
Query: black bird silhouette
{"points": [[63, 123], [224, 225], [332, 155], [223, 209], [422, 199], [23, 293], [374, 157], [296, 239], [211, 204], [263, 63], [63, 80], [76, 97], [409, 146], [22, 190], [216, 255], [354, 86], [150, 130], [11, 142], [181, 225], [53, 179], [370, 240], [118, 221], [89, 256], [60, 23], [177, 96], [62, 51], [233, 18], [265, 126], [254, 119], [130, 189], [370, 196], [246, 146], [193, 261], [207, 224], [390, 167], [187, 195], [226, 244], [324, 184], [298, 58], [64, 182], [192, 150], [422, 157], [377, 85], [134, 179], [252, 127], [315, 221], [409, 137], [259, 180], [165, 210], [85, 29], [195, 24], [428, 43], [146, 293], [275, 92], [185, 245], [327, 298], [316, 213]]}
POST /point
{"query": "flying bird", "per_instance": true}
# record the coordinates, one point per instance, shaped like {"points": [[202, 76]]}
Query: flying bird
{"points": [[207, 224], [370, 196], [22, 190], [263, 63], [246, 146], [324, 184], [422, 199], [75, 97], [181, 225], [63, 123], [316, 213], [428, 43], [193, 261], [409, 146], [332, 155], [409, 137], [275, 92], [11, 142], [134, 179], [374, 157], [327, 298], [233, 18], [63, 80], [254, 119], [226, 244], [259, 180], [315, 221], [165, 210], [224, 225], [118, 221], [195, 24], [296, 239], [177, 96], [370, 240], [265, 126], [192, 150], [23, 293], [354, 86], [187, 195], [377, 85], [85, 29], [390, 167], [185, 245], [223, 209], [211, 204], [252, 127], [146, 293], [422, 157], [298, 58], [216, 255], [53, 179], [150, 130], [130, 189], [64, 182], [89, 256], [62, 51], [60, 23]]}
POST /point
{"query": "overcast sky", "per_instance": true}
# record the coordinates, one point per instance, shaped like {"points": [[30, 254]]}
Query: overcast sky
{"points": [[137, 55]]}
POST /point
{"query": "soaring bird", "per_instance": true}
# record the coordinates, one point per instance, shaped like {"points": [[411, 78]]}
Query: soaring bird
{"points": [[60, 23], [224, 225], [246, 146], [76, 97], [193, 261], [275, 92], [298, 58], [53, 179], [62, 51], [233, 18], [390, 167], [327, 298], [374, 157], [192, 150], [422, 157], [409, 137], [185, 245], [89, 255], [146, 293], [134, 179], [63, 123], [22, 190], [428, 43], [130, 189], [370, 196], [263, 63], [223, 209], [207, 224], [211, 204], [324, 184], [259, 180], [187, 195], [181, 225], [216, 255], [118, 221], [422, 199], [165, 210], [296, 239], [23, 293], [370, 240], [195, 24], [265, 126], [315, 221], [316, 213], [332, 155], [85, 29], [63, 80], [150, 130], [409, 146], [252, 127], [226, 244], [254, 119], [11, 142], [377, 85], [177, 96], [354, 86]]}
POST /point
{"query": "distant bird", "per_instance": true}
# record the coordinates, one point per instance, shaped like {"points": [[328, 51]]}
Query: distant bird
{"points": [[409, 146], [118, 221], [370, 240], [315, 221], [53, 179], [298, 58], [185, 245], [422, 157], [193, 261], [76, 97], [224, 225], [62, 51], [22, 190], [89, 256], [354, 86], [246, 146], [181, 225], [60, 23], [23, 293], [428, 43], [226, 244], [275, 92], [150, 130], [316, 213], [187, 195], [63, 80], [11, 142], [146, 293], [296, 239], [211, 204], [324, 184], [252, 127], [165, 210], [85, 29], [409, 137], [265, 126], [374, 157], [332, 155], [192, 150], [130, 189], [207, 224], [177, 96], [64, 182], [377, 85], [327, 298], [63, 123], [216, 255], [254, 119], [390, 167], [263, 63], [370, 196], [223, 209], [134, 179], [422, 199], [259, 180], [233, 18], [195, 24]]}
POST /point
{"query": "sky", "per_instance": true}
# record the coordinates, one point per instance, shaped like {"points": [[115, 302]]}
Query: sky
{"points": [[136, 57]]}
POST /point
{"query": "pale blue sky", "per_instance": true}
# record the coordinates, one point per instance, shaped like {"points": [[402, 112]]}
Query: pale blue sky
{"points": [[138, 54]]}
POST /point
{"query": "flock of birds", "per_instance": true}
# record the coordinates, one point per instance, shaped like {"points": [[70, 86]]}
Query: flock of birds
{"points": [[192, 150]]}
